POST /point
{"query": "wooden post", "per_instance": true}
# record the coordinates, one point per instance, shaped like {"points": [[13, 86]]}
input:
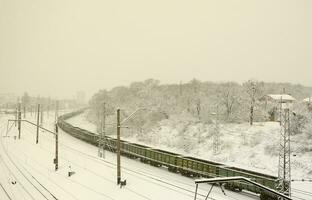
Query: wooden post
{"points": [[56, 148], [118, 147], [38, 113]]}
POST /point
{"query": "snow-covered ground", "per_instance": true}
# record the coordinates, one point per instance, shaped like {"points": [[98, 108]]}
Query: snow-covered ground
{"points": [[250, 147], [31, 166]]}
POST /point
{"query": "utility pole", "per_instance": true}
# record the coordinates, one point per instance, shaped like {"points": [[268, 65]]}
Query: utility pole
{"points": [[19, 120], [16, 115], [281, 109], [56, 148], [56, 111], [34, 109], [119, 123], [101, 151], [284, 172], [41, 116], [38, 113], [98, 120], [118, 147]]}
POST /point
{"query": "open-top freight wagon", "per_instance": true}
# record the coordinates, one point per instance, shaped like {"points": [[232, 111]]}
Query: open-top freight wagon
{"points": [[185, 165]]}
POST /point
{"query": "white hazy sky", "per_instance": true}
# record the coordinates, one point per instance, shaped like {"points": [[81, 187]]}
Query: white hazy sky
{"points": [[57, 47]]}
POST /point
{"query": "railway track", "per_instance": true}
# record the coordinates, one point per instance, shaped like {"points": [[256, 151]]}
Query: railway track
{"points": [[111, 165], [142, 174], [91, 138], [37, 188], [302, 193], [5, 192]]}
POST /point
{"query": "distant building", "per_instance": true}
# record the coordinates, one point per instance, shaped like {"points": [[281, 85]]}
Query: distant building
{"points": [[279, 97], [275, 102], [307, 100]]}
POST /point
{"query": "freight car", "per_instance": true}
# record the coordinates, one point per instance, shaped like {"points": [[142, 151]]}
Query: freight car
{"points": [[185, 165]]}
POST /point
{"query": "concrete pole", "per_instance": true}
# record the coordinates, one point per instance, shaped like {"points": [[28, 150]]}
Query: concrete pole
{"points": [[103, 130], [16, 116], [56, 148], [56, 110], [118, 147], [19, 120]]}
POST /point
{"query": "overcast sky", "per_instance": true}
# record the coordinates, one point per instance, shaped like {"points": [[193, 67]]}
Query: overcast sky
{"points": [[57, 47]]}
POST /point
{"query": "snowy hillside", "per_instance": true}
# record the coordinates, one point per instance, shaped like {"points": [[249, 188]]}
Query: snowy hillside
{"points": [[241, 145]]}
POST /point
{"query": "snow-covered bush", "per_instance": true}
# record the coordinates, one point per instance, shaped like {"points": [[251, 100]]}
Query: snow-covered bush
{"points": [[301, 119]]}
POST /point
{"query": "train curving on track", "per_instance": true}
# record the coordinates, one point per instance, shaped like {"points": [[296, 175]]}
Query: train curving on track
{"points": [[185, 165]]}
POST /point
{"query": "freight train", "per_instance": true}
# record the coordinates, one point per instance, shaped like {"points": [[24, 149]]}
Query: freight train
{"points": [[185, 165]]}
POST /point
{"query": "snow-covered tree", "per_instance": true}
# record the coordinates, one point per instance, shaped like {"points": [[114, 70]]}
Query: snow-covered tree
{"points": [[254, 90], [229, 97]]}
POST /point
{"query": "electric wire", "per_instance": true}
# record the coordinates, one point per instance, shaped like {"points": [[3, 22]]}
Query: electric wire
{"points": [[43, 167], [134, 171], [111, 164], [30, 195], [28, 178], [90, 156]]}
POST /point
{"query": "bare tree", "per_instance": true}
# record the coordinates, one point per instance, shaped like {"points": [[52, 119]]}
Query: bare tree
{"points": [[229, 97], [254, 89]]}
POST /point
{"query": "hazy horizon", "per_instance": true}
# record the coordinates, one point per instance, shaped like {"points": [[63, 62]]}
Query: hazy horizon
{"points": [[56, 48]]}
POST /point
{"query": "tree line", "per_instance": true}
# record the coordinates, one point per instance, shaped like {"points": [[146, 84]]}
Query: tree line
{"points": [[198, 100]]}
